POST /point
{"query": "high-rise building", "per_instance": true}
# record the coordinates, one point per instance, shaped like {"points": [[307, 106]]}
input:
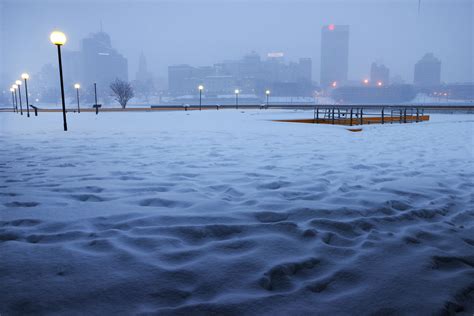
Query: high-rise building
{"points": [[334, 54], [379, 75], [251, 75], [101, 63], [95, 62], [428, 71]]}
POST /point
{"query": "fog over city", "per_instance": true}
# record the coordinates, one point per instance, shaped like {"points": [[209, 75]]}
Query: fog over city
{"points": [[395, 33]]}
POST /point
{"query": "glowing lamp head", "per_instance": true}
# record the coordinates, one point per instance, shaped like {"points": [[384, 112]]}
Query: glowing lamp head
{"points": [[334, 84], [18, 82], [331, 27], [15, 86], [366, 81], [237, 91], [379, 83], [267, 92], [12, 90], [77, 86], [445, 94], [201, 87], [25, 76], [58, 38]]}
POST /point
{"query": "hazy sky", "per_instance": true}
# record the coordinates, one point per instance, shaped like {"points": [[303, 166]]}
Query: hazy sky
{"points": [[204, 32]]}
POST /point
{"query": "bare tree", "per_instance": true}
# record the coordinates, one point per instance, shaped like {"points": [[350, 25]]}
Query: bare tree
{"points": [[123, 91]]}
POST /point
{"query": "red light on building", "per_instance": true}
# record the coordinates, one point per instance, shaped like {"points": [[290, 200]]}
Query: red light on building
{"points": [[331, 27]]}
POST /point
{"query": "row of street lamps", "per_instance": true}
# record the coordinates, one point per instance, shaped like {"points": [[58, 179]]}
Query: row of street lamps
{"points": [[58, 38], [17, 86], [237, 92]]}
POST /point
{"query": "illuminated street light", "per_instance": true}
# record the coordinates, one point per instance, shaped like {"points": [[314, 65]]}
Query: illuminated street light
{"points": [[13, 98], [379, 83], [201, 87], [25, 77], [77, 87], [267, 93], [59, 39], [366, 81], [334, 84], [18, 84], [237, 98], [15, 87]]}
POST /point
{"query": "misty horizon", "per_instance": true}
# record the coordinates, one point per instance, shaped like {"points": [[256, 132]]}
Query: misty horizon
{"points": [[203, 33]]}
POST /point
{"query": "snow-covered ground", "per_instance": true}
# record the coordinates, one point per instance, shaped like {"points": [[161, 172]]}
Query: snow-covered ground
{"points": [[226, 212]]}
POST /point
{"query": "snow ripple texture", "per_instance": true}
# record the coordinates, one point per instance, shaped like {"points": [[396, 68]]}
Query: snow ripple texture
{"points": [[228, 213]]}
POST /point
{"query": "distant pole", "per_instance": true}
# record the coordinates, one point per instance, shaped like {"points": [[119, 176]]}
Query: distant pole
{"points": [[18, 82], [25, 77], [268, 95], [13, 99], [77, 86], [237, 99], [16, 101], [201, 87], [95, 95]]}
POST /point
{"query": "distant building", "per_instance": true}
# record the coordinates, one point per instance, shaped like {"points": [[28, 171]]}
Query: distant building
{"points": [[143, 83], [379, 75], [101, 63], [428, 71], [251, 74], [96, 62], [334, 54]]}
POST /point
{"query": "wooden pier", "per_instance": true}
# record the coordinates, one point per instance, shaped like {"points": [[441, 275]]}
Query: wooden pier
{"points": [[351, 116]]}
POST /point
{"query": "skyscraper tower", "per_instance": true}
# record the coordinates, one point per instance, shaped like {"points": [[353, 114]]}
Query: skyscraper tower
{"points": [[334, 55], [428, 71]]}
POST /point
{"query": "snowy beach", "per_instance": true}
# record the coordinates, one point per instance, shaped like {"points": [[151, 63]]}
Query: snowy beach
{"points": [[229, 213]]}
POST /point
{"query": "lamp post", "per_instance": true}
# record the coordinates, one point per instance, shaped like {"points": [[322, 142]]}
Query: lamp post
{"points": [[15, 87], [237, 98], [13, 99], [59, 38], [25, 77], [267, 93], [201, 87], [77, 86], [95, 97], [18, 83]]}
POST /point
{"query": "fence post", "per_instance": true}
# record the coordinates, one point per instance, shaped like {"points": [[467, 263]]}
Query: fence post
{"points": [[405, 115], [333, 115], [351, 117], [361, 119]]}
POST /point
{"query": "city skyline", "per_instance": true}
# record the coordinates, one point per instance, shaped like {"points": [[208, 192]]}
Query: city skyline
{"points": [[448, 36]]}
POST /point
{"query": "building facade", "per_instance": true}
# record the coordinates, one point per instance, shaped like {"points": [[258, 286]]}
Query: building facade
{"points": [[428, 71], [379, 75], [251, 75], [334, 55]]}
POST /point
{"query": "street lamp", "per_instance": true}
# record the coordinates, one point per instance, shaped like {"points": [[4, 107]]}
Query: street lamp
{"points": [[379, 83], [77, 86], [15, 87], [267, 93], [18, 84], [25, 77], [237, 98], [201, 87], [366, 81], [13, 99], [59, 38]]}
